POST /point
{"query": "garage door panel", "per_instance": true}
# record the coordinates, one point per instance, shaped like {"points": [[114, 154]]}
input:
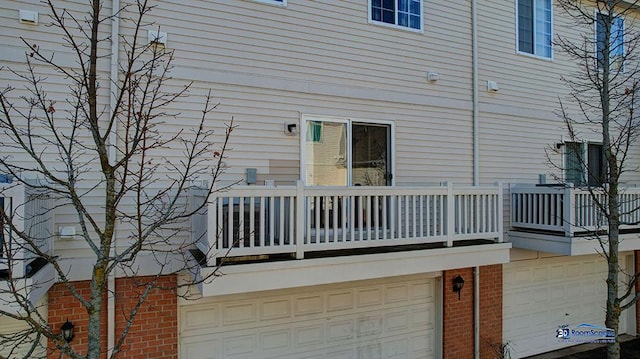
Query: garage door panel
{"points": [[383, 319], [540, 295], [337, 301]]}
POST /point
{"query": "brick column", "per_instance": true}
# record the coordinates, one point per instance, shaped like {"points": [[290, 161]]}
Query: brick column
{"points": [[457, 318], [490, 310], [153, 334]]}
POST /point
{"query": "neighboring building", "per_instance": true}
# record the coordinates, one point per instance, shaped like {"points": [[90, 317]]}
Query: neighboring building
{"points": [[449, 119]]}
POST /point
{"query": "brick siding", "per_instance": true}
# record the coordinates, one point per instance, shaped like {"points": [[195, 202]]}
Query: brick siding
{"points": [[457, 325], [458, 330], [154, 333], [490, 311]]}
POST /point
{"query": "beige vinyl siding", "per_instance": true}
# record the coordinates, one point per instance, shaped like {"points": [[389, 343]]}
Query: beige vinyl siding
{"points": [[325, 42], [425, 151], [525, 81], [11, 326], [514, 148]]}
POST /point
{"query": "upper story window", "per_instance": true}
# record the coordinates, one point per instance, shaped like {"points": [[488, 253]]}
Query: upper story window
{"points": [[616, 40], [534, 27], [401, 13]]}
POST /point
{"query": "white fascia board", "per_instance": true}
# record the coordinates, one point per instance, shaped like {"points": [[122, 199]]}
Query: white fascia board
{"points": [[244, 278]]}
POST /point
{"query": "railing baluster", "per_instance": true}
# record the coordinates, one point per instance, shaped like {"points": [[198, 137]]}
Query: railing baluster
{"points": [[282, 217], [335, 205], [261, 228], [385, 201]]}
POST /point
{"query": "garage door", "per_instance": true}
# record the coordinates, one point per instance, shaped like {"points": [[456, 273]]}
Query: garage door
{"points": [[541, 295], [393, 318]]}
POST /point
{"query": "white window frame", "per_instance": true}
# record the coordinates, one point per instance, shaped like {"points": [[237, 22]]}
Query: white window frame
{"points": [[395, 25], [595, 42], [282, 3], [349, 122], [524, 53]]}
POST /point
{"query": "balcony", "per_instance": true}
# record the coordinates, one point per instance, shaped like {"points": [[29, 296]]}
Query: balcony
{"points": [[565, 220], [266, 228], [22, 272]]}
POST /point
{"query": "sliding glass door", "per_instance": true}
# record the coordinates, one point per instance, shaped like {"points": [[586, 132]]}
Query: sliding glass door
{"points": [[347, 153]]}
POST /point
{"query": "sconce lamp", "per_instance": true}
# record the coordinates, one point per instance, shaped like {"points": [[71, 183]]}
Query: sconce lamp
{"points": [[290, 129], [67, 331], [458, 283]]}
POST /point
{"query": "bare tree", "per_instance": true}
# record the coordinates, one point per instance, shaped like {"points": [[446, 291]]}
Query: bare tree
{"points": [[106, 159], [602, 100]]}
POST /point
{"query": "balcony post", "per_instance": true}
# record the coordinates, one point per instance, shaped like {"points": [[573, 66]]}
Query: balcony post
{"points": [[451, 214], [569, 210], [499, 213], [212, 229], [299, 219], [16, 207]]}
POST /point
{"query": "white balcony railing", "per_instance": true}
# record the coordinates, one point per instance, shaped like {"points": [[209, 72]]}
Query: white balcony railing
{"points": [[569, 210], [261, 220], [31, 213]]}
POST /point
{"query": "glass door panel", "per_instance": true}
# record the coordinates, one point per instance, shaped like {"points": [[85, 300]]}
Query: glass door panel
{"points": [[370, 155], [326, 153]]}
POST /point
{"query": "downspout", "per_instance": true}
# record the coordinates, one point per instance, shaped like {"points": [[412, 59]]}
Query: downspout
{"points": [[113, 87], [476, 168]]}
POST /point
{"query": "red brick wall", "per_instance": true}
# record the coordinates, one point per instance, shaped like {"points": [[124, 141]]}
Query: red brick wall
{"points": [[457, 324], [63, 306], [154, 333], [490, 310]]}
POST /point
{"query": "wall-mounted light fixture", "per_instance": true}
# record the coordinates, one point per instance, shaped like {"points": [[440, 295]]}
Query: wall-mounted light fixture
{"points": [[290, 129], [458, 283], [67, 331]]}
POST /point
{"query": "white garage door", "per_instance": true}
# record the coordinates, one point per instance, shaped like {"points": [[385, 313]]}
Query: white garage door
{"points": [[542, 294], [393, 318]]}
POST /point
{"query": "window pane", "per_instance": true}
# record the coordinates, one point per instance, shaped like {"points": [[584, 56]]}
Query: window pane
{"points": [[596, 166], [403, 19], [616, 41], [601, 35], [543, 28], [370, 154], [574, 163], [389, 17], [414, 22], [326, 160], [525, 26], [403, 5]]}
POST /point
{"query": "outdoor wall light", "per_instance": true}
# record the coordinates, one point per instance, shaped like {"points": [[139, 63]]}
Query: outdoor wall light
{"points": [[290, 129], [458, 283], [67, 331]]}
